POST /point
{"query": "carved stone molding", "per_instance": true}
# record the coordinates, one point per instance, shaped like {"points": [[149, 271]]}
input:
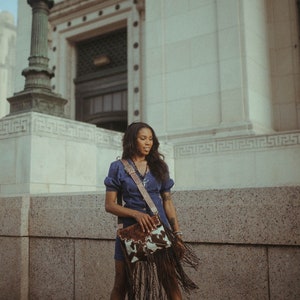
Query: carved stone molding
{"points": [[14, 126], [238, 144], [40, 124]]}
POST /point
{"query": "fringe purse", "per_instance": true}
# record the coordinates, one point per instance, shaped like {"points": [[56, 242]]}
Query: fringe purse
{"points": [[139, 244], [154, 261]]}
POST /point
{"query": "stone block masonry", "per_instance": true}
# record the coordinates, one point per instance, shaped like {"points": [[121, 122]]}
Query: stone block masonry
{"points": [[61, 246]]}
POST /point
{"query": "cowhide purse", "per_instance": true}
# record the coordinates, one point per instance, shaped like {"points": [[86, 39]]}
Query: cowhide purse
{"points": [[138, 244]]}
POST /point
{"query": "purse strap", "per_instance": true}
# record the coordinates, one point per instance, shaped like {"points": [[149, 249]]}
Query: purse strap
{"points": [[130, 170]]}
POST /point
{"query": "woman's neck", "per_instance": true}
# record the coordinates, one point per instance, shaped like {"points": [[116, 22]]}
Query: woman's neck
{"points": [[139, 158]]}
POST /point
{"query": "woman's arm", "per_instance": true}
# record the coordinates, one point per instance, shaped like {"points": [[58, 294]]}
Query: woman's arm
{"points": [[171, 212], [114, 208]]}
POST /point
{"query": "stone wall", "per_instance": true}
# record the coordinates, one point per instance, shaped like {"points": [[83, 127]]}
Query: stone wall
{"points": [[61, 246], [47, 154], [43, 154]]}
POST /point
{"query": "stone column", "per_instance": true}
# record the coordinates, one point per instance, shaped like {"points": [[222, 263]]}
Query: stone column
{"points": [[38, 74], [37, 95]]}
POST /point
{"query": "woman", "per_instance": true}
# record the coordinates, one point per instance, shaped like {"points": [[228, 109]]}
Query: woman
{"points": [[140, 149]]}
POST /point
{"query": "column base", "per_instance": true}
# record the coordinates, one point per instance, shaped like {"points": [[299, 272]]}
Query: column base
{"points": [[37, 101]]}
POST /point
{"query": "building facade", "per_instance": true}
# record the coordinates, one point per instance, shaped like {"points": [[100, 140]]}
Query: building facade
{"points": [[219, 82], [7, 59]]}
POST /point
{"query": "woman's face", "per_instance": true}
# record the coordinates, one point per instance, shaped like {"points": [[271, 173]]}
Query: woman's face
{"points": [[144, 141]]}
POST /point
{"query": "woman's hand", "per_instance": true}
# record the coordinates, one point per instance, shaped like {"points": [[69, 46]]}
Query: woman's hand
{"points": [[145, 221], [180, 249]]}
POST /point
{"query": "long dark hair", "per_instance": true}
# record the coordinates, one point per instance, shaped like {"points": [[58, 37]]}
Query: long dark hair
{"points": [[154, 159]]}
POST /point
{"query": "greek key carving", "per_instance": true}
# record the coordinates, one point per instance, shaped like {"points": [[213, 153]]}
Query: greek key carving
{"points": [[239, 144], [68, 129], [60, 128], [9, 127], [108, 139]]}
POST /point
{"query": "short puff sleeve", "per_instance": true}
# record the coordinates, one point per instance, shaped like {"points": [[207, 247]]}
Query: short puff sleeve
{"points": [[167, 185], [112, 181]]}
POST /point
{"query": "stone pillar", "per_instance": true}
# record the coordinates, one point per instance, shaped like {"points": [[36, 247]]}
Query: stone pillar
{"points": [[37, 95], [38, 74]]}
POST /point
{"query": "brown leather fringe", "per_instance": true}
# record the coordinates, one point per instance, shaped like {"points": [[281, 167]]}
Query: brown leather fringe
{"points": [[154, 278]]}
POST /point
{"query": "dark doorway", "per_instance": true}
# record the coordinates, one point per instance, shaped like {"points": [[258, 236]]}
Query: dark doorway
{"points": [[101, 81]]}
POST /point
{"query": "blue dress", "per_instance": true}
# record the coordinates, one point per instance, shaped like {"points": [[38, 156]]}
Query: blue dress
{"points": [[119, 181]]}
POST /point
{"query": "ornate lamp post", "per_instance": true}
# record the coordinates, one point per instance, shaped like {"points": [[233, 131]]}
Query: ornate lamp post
{"points": [[37, 95]]}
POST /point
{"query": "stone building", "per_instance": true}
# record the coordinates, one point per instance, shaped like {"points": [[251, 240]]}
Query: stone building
{"points": [[219, 82], [7, 59]]}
